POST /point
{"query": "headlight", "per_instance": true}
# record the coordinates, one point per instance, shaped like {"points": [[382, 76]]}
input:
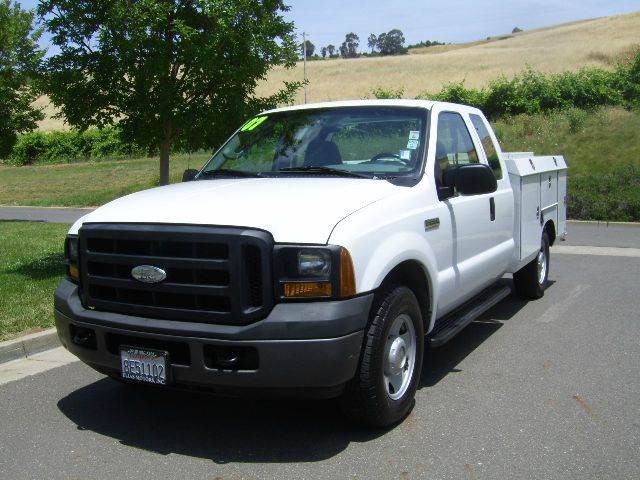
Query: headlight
{"points": [[314, 263], [314, 272], [71, 254]]}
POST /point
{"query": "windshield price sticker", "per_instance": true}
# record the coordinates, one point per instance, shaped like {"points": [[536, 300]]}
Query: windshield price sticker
{"points": [[413, 144], [414, 135]]}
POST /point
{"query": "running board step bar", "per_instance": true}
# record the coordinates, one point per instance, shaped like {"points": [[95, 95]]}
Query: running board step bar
{"points": [[447, 327]]}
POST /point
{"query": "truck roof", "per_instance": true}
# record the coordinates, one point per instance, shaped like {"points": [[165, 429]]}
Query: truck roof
{"points": [[426, 104]]}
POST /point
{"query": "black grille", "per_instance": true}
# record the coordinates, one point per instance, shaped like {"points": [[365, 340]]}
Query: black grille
{"points": [[213, 274]]}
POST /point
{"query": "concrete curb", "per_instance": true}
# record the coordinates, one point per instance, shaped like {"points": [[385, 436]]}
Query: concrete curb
{"points": [[605, 223], [28, 345]]}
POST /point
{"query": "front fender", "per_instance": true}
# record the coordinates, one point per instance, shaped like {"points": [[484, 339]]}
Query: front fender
{"points": [[393, 251]]}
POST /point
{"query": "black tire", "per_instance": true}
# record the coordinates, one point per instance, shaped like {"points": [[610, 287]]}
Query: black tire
{"points": [[527, 280], [366, 400]]}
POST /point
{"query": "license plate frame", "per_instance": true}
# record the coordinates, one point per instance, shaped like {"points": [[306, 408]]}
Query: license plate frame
{"points": [[144, 365]]}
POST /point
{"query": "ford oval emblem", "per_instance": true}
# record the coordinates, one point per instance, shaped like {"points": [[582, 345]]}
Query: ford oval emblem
{"points": [[148, 274]]}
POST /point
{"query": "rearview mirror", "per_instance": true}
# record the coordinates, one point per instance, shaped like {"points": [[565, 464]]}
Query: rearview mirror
{"points": [[189, 174], [472, 179]]}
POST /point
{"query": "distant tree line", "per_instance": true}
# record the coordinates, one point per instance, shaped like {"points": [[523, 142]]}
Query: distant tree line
{"points": [[425, 43], [383, 44]]}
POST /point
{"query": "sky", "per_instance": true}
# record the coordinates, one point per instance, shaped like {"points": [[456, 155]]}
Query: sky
{"points": [[328, 21]]}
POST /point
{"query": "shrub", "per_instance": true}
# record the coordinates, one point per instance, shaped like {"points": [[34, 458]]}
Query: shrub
{"points": [[382, 93], [533, 92], [72, 146]]}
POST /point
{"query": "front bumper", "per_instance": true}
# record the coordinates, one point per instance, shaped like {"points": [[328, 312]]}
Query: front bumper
{"points": [[307, 348]]}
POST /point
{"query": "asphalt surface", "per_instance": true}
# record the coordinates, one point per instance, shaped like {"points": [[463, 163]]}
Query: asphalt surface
{"points": [[544, 389], [39, 214]]}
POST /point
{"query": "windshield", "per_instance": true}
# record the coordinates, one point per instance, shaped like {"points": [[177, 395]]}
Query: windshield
{"points": [[364, 141]]}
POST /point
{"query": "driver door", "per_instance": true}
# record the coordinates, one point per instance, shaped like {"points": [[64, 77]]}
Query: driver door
{"points": [[473, 246]]}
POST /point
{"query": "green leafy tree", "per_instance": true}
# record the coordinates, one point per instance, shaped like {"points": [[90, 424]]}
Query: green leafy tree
{"points": [[372, 42], [19, 58], [168, 72], [323, 51], [349, 48], [309, 47], [331, 49], [391, 43]]}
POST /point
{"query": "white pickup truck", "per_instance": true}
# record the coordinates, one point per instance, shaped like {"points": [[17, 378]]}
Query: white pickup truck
{"points": [[317, 253]]}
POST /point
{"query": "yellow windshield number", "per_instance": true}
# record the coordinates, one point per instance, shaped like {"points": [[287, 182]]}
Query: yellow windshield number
{"points": [[253, 124]]}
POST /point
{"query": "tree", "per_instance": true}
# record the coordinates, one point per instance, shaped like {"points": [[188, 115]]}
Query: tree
{"points": [[391, 43], [331, 49], [310, 48], [168, 72], [516, 30], [372, 42], [349, 48], [19, 58], [323, 51]]}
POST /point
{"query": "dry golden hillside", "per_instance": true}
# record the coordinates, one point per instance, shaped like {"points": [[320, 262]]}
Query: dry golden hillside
{"points": [[599, 42]]}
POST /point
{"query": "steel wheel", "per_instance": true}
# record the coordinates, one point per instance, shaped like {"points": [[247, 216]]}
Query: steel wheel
{"points": [[399, 356], [542, 265]]}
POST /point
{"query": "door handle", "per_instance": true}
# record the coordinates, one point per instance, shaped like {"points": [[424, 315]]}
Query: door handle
{"points": [[492, 209]]}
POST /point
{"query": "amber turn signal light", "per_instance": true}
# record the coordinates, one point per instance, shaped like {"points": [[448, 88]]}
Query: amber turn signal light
{"points": [[347, 274], [74, 273], [307, 289]]}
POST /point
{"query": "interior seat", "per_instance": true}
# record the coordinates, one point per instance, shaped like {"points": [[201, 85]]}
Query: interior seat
{"points": [[321, 154]]}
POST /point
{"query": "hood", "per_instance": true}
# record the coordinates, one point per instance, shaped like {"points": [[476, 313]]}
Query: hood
{"points": [[296, 210]]}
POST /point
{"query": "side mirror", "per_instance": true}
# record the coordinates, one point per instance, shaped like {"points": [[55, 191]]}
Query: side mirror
{"points": [[189, 175], [472, 179]]}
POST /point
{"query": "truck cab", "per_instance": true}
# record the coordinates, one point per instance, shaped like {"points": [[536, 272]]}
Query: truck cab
{"points": [[318, 252]]}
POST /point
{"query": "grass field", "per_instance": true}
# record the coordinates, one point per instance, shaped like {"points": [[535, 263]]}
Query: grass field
{"points": [[591, 141], [599, 42], [85, 184], [31, 265]]}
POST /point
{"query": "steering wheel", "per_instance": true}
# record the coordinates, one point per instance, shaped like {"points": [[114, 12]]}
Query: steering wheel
{"points": [[394, 157]]}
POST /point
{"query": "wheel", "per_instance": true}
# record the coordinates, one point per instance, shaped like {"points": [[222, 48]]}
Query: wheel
{"points": [[531, 280], [382, 391]]}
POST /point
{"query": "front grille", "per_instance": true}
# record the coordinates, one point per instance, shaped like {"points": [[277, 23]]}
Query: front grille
{"points": [[213, 274]]}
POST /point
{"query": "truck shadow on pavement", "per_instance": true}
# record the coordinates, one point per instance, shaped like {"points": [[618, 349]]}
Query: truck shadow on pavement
{"points": [[440, 362], [220, 429], [242, 430]]}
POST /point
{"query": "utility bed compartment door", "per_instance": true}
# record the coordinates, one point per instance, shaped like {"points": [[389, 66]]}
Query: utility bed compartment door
{"points": [[530, 228], [549, 196], [562, 203]]}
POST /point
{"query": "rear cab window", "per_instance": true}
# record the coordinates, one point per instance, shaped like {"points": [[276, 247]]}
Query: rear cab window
{"points": [[488, 145]]}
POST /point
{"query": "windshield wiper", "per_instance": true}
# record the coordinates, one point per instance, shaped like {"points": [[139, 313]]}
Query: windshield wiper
{"points": [[228, 172], [318, 169]]}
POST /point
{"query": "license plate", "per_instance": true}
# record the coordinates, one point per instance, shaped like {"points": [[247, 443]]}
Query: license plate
{"points": [[142, 365]]}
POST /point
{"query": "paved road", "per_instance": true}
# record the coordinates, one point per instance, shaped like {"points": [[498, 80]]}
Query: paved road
{"points": [[39, 214], [545, 389]]}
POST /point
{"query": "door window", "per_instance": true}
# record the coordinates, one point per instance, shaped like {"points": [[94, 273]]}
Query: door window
{"points": [[454, 145], [490, 149]]}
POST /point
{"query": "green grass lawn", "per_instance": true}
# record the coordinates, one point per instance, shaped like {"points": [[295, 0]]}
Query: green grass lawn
{"points": [[591, 141], [31, 264], [85, 184], [602, 149]]}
